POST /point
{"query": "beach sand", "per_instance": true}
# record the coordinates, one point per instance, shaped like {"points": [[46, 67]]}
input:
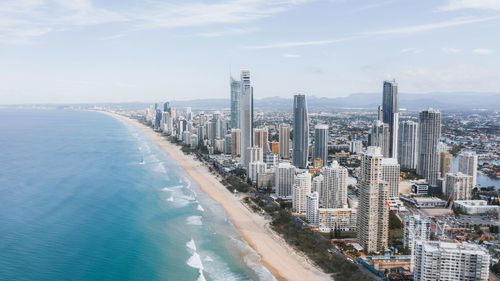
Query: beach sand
{"points": [[277, 256]]}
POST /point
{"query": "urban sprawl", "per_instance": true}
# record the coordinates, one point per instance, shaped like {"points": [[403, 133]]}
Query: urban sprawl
{"points": [[364, 194]]}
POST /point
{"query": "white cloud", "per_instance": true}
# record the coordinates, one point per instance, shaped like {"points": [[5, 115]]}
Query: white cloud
{"points": [[23, 20], [482, 51], [411, 51], [451, 50], [228, 32], [391, 31], [432, 26], [291, 56], [300, 43], [454, 5], [168, 15]]}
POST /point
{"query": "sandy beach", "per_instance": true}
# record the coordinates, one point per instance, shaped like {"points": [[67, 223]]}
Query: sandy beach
{"points": [[279, 258]]}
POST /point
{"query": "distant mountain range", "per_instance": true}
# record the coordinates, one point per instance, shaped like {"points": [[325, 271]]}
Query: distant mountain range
{"points": [[442, 101]]}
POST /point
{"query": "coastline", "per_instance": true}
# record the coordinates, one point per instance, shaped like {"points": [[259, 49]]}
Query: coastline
{"points": [[277, 256]]}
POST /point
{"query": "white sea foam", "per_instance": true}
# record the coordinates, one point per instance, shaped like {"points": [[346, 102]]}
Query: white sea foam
{"points": [[191, 245], [253, 260], [208, 259], [170, 199], [195, 260], [200, 208], [194, 220]]}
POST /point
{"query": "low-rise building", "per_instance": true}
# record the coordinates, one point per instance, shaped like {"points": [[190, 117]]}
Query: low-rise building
{"points": [[343, 219], [474, 207]]}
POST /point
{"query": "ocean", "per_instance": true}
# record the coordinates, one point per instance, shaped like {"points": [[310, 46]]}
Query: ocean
{"points": [[85, 196]]}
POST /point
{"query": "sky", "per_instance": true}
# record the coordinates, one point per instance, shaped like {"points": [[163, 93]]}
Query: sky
{"points": [[75, 51]]}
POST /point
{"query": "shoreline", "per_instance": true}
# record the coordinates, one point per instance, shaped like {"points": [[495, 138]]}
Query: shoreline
{"points": [[284, 262]]}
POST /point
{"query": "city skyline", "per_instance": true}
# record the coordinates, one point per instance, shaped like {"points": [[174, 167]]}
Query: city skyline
{"points": [[101, 52]]}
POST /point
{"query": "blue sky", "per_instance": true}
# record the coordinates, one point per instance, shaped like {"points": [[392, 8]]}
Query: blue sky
{"points": [[59, 51]]}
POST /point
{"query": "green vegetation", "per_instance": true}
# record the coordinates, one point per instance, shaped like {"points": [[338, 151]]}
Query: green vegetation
{"points": [[496, 268], [494, 229], [316, 248], [457, 211], [233, 183], [410, 174], [396, 232], [455, 150]]}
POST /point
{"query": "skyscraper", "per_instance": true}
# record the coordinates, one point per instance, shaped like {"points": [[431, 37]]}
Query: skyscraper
{"points": [[429, 133], [390, 174], [300, 189], [408, 144], [246, 116], [390, 114], [445, 164], [300, 131], [321, 143], [235, 142], [467, 164], [284, 179], [373, 213], [284, 140], [235, 103], [380, 135], [166, 107], [459, 186], [334, 188], [312, 206], [416, 228], [261, 138]]}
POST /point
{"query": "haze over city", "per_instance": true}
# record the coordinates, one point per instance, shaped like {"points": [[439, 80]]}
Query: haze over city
{"points": [[106, 51]]}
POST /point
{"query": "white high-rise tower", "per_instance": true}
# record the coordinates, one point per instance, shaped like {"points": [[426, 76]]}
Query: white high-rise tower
{"points": [[246, 116]]}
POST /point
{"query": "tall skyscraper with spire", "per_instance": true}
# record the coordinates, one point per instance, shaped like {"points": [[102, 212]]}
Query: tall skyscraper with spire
{"points": [[300, 131], [429, 133], [246, 116], [390, 115]]}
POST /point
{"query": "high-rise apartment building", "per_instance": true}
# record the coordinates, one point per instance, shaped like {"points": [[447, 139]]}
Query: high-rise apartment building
{"points": [[255, 154], [373, 212], [235, 103], [284, 179], [246, 116], [416, 228], [300, 189], [459, 186], [467, 164], [380, 135], [429, 133], [284, 141], [445, 261], [275, 147], [321, 143], [312, 206], [356, 147], [445, 163], [300, 132], [260, 138], [408, 145], [254, 169], [390, 174], [235, 142], [334, 189], [390, 114]]}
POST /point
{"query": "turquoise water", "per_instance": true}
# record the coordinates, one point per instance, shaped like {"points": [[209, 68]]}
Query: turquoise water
{"points": [[84, 196]]}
